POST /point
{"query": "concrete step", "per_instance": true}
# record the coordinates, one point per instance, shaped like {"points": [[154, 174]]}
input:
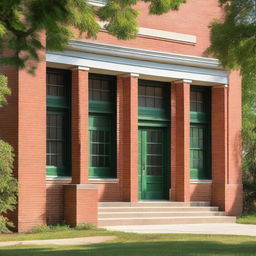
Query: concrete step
{"points": [[152, 203], [157, 209], [107, 215], [164, 220]]}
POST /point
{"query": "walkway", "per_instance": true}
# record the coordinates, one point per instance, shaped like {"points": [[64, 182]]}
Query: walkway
{"points": [[212, 228], [66, 241]]}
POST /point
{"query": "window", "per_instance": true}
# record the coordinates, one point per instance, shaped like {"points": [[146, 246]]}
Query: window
{"points": [[101, 162], [58, 132], [200, 159], [55, 83], [102, 136], [55, 139], [151, 97], [197, 151], [99, 90], [196, 101]]}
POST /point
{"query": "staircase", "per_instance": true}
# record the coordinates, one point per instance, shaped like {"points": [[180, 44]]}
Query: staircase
{"points": [[159, 212]]}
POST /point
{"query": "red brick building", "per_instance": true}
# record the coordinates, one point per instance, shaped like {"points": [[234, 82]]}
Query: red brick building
{"points": [[151, 118]]}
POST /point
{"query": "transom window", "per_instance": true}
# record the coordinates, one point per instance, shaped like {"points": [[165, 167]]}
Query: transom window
{"points": [[55, 83], [196, 101], [99, 90], [151, 96]]}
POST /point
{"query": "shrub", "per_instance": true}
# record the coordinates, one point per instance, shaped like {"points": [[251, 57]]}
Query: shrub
{"points": [[8, 186], [40, 229], [85, 226], [49, 228]]}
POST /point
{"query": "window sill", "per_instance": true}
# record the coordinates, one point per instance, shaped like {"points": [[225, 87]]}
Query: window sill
{"points": [[194, 181], [102, 181], [58, 180]]}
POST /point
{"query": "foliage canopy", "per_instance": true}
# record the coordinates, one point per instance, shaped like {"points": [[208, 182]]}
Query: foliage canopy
{"points": [[21, 22], [233, 42]]}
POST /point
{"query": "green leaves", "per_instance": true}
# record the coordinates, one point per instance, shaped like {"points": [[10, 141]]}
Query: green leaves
{"points": [[22, 22], [159, 7], [8, 185], [233, 42], [4, 90], [122, 18]]}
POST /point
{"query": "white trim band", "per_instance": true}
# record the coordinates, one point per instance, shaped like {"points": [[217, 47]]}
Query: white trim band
{"points": [[160, 34], [167, 35], [120, 65], [142, 54]]}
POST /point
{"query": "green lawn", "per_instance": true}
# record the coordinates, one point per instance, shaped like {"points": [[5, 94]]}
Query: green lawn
{"points": [[247, 219], [128, 244]]}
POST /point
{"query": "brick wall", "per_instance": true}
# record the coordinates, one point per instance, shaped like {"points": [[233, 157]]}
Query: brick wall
{"points": [[23, 126], [54, 203], [194, 14]]}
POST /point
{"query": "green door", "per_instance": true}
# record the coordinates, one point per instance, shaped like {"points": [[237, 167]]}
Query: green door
{"points": [[153, 178]]}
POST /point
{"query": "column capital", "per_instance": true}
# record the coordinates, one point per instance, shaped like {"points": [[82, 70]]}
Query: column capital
{"points": [[182, 81], [129, 75], [221, 86], [80, 68]]}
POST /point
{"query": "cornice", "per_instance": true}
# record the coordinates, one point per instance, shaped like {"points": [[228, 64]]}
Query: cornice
{"points": [[141, 54]]}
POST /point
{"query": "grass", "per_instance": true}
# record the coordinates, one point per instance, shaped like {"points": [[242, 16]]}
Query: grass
{"points": [[129, 244], [247, 219]]}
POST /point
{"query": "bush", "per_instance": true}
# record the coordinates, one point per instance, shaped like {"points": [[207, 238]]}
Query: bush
{"points": [[40, 229], [60, 227], [8, 186], [49, 228], [249, 143], [85, 226]]}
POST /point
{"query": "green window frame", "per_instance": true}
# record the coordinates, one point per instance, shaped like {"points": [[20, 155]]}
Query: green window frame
{"points": [[200, 134], [58, 123], [102, 126]]}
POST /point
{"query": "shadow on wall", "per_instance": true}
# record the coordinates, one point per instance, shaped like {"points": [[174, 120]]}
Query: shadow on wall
{"points": [[200, 192]]}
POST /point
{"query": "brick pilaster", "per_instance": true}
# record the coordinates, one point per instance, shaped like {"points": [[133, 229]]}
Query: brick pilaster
{"points": [[227, 186], [181, 133], [234, 188], [80, 125], [81, 204], [219, 146], [129, 134]]}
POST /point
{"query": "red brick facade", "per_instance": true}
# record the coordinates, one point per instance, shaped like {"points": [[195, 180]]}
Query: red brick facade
{"points": [[74, 199]]}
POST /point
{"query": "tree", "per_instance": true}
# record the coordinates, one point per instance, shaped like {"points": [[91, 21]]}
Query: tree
{"points": [[233, 42], [21, 22], [8, 184]]}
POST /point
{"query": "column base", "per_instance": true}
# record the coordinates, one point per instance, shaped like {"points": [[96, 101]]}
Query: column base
{"points": [[81, 204]]}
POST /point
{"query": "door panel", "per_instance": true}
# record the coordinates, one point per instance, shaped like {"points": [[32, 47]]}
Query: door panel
{"points": [[152, 164]]}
